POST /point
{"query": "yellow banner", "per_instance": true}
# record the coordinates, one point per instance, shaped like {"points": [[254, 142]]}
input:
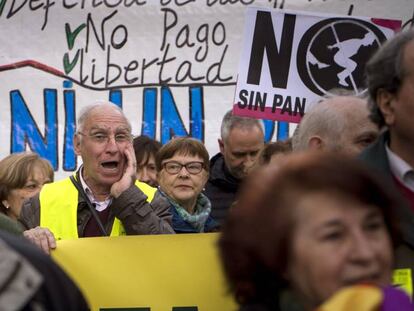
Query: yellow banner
{"points": [[403, 279], [148, 273]]}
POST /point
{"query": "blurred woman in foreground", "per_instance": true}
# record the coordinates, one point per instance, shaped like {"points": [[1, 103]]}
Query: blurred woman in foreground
{"points": [[303, 231], [22, 176]]}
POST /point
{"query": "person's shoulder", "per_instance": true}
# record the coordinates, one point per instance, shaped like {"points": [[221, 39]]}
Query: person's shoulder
{"points": [[220, 175], [215, 158], [375, 149], [57, 189], [211, 225], [9, 225], [375, 156], [30, 213], [58, 183], [147, 189], [55, 281]]}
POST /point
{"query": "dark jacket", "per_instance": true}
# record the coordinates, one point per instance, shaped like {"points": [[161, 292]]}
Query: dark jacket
{"points": [[221, 188], [31, 280], [375, 156], [131, 208]]}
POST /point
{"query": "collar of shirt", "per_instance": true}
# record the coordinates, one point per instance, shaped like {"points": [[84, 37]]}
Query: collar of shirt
{"points": [[99, 205], [400, 169]]}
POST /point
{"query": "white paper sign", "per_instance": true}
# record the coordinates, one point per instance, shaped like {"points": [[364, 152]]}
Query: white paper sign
{"points": [[290, 59]]}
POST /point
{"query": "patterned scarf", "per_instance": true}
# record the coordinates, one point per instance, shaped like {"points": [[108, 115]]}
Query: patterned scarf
{"points": [[201, 212]]}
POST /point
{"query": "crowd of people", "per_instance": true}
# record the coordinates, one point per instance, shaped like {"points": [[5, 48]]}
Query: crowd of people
{"points": [[299, 220]]}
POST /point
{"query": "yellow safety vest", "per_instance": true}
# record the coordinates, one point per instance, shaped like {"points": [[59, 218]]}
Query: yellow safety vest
{"points": [[59, 206]]}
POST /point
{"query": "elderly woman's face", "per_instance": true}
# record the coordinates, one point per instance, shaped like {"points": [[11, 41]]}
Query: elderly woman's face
{"points": [[183, 184], [337, 242]]}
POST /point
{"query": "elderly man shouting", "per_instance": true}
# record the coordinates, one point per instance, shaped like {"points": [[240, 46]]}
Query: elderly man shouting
{"points": [[102, 198]]}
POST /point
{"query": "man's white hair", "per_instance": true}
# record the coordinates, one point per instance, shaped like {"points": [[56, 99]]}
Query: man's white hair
{"points": [[327, 119], [322, 120], [86, 111]]}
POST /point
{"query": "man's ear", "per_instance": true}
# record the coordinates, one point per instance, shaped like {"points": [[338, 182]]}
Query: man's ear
{"points": [[315, 143], [385, 101], [221, 145], [76, 144]]}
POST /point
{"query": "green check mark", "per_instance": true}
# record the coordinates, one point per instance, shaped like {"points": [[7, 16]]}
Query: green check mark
{"points": [[68, 65], [71, 35], [2, 4]]}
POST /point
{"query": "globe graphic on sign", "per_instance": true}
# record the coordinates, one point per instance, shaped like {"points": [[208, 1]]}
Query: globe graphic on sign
{"points": [[333, 54]]}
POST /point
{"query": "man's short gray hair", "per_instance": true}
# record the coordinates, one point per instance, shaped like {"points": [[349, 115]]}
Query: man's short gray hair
{"points": [[86, 111], [231, 121], [385, 70], [322, 120]]}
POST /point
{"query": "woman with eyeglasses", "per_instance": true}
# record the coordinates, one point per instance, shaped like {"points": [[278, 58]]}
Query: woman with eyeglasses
{"points": [[182, 171]]}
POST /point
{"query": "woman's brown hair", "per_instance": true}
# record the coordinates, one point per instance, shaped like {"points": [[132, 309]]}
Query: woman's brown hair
{"points": [[17, 168], [256, 238]]}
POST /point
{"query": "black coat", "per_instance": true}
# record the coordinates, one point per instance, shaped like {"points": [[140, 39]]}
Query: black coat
{"points": [[221, 188], [376, 157]]}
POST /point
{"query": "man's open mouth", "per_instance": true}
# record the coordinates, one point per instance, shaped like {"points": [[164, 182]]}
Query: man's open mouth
{"points": [[110, 165]]}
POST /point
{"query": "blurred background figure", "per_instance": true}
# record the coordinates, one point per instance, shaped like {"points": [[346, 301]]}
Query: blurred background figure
{"points": [[240, 144], [339, 123], [22, 175], [145, 150], [274, 152], [303, 231], [182, 170]]}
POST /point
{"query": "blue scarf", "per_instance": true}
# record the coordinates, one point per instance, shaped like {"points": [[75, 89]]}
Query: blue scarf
{"points": [[201, 212]]}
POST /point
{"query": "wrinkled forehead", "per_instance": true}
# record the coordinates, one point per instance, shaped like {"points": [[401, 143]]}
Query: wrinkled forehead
{"points": [[108, 128], [107, 118], [185, 153], [320, 207]]}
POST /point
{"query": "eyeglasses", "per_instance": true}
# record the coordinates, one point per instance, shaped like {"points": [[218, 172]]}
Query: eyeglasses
{"points": [[191, 167], [103, 138]]}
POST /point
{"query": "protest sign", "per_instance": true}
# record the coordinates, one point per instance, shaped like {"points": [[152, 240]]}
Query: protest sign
{"points": [[148, 273], [170, 64], [290, 59], [156, 273]]}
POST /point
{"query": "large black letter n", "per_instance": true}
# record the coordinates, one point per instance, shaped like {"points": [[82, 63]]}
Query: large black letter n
{"points": [[264, 40]]}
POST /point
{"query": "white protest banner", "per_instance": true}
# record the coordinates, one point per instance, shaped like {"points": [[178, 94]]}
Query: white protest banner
{"points": [[291, 58], [170, 64]]}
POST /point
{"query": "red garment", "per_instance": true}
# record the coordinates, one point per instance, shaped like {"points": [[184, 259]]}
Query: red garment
{"points": [[92, 227], [407, 193]]}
